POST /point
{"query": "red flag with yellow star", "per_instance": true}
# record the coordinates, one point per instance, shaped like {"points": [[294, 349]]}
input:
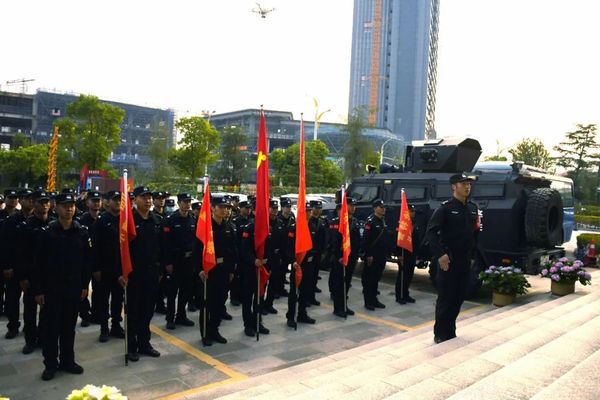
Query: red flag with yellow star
{"points": [[344, 229], [204, 232], [261, 211], [405, 227]]}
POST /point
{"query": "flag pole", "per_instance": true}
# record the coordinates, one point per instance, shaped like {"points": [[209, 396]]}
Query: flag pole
{"points": [[125, 307], [205, 308], [344, 267], [402, 276], [258, 303]]}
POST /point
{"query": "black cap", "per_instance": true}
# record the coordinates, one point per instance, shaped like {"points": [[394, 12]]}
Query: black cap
{"points": [[24, 193], [39, 195], [350, 200], [10, 193], [315, 204], [252, 199], [184, 196], [378, 203], [460, 178], [273, 204], [160, 194], [67, 190], [170, 203], [196, 206], [94, 195], [141, 190], [235, 198], [285, 202], [220, 201], [113, 194], [52, 194], [63, 198], [244, 204], [131, 195]]}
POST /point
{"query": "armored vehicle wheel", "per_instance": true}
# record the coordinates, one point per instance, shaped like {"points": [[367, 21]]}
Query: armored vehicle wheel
{"points": [[544, 218]]}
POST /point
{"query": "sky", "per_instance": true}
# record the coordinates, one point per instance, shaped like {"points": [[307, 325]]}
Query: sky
{"points": [[507, 69]]}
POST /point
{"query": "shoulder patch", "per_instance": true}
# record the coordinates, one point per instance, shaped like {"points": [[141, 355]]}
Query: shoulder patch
{"points": [[368, 226], [245, 235], [166, 229]]}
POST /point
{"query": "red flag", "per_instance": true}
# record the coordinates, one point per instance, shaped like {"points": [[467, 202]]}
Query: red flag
{"points": [[204, 232], [264, 278], [261, 211], [405, 227], [298, 276], [303, 239], [126, 229], [344, 229]]}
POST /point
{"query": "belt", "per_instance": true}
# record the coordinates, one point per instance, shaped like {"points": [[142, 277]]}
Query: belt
{"points": [[187, 254], [309, 259], [276, 251], [220, 260]]}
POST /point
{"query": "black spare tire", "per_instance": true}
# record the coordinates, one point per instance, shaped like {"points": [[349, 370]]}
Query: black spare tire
{"points": [[544, 218]]}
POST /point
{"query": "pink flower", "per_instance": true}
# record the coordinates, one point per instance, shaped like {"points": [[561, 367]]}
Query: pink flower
{"points": [[553, 270]]}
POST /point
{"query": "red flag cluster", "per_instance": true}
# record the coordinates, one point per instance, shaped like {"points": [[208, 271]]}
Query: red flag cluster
{"points": [[204, 232], [405, 226], [303, 238], [344, 229]]}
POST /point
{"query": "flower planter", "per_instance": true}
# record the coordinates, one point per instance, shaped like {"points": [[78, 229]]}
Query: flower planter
{"points": [[502, 299], [562, 288]]}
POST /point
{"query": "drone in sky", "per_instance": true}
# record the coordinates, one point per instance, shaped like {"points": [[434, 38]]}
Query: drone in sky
{"points": [[263, 12]]}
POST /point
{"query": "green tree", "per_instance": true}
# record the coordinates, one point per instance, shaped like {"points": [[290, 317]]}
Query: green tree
{"points": [[232, 167], [496, 158], [358, 151], [532, 152], [319, 170], [91, 131], [198, 147], [579, 151], [20, 140], [159, 153], [26, 164]]}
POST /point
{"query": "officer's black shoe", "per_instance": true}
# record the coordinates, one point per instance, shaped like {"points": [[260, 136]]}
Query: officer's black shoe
{"points": [[11, 334], [226, 316], [379, 304], [73, 368], [306, 319], [262, 330], [409, 299], [315, 302], [401, 301], [339, 313], [349, 311], [317, 290], [160, 309], [150, 351], [28, 349], [292, 324], [284, 293], [437, 340], [270, 309], [171, 325], [48, 374], [184, 321], [192, 308], [117, 331], [216, 336], [235, 302], [103, 338], [249, 332], [133, 356], [85, 322], [369, 307], [206, 342]]}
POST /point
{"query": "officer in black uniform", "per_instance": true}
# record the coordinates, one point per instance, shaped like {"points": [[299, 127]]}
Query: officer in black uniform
{"points": [[52, 212], [452, 233], [273, 248], [78, 212], [240, 221], [159, 201], [318, 231], [228, 218], [219, 276], [335, 246], [12, 200], [107, 268], [376, 247], [407, 262], [27, 237], [287, 220], [93, 201], [235, 205], [62, 265], [9, 239], [143, 280], [179, 231]]}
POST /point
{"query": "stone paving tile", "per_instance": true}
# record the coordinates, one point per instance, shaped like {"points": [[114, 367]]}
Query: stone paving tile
{"points": [[157, 389]]}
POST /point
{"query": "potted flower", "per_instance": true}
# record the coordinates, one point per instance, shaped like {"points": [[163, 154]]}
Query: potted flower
{"points": [[91, 392], [563, 274], [506, 282]]}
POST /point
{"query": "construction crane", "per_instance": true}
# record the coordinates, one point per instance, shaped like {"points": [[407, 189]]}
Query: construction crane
{"points": [[263, 12], [22, 82]]}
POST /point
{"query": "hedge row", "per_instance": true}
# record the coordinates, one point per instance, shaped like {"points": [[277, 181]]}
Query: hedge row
{"points": [[588, 219], [588, 209], [585, 238]]}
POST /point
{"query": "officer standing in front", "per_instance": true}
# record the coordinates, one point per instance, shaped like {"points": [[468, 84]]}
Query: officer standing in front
{"points": [[88, 311], [376, 247], [12, 200], [159, 201], [62, 260], [179, 232], [287, 220], [452, 233], [240, 221], [318, 230], [143, 280]]}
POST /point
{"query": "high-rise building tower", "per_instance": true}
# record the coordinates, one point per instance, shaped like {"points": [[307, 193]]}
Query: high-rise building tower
{"points": [[394, 61]]}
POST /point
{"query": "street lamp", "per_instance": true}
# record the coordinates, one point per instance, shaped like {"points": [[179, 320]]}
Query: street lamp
{"points": [[383, 145]]}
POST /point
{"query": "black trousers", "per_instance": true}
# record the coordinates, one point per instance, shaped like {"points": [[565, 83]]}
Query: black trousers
{"points": [[31, 329], [275, 279], [2, 290], [59, 317], [316, 262], [216, 286], [180, 286], [370, 278], [141, 300], [89, 308], [304, 293], [109, 291], [336, 281], [161, 292], [406, 271], [235, 287], [452, 289], [12, 303], [250, 302]]}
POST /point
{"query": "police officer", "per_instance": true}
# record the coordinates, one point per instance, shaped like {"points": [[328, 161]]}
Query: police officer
{"points": [[235, 205], [407, 261], [240, 221], [376, 247], [62, 260], [9, 240], [318, 230], [159, 201], [92, 201], [143, 280], [12, 200], [287, 220], [107, 268], [218, 277], [179, 231], [273, 247], [337, 273], [78, 212], [452, 233]]}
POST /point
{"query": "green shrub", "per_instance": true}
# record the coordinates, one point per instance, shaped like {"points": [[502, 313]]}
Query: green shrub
{"points": [[585, 238], [587, 209], [588, 219]]}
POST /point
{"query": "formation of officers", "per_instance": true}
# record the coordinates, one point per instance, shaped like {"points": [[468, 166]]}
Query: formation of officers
{"points": [[56, 244]]}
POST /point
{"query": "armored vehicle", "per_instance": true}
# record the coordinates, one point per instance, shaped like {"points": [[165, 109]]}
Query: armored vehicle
{"points": [[520, 210]]}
